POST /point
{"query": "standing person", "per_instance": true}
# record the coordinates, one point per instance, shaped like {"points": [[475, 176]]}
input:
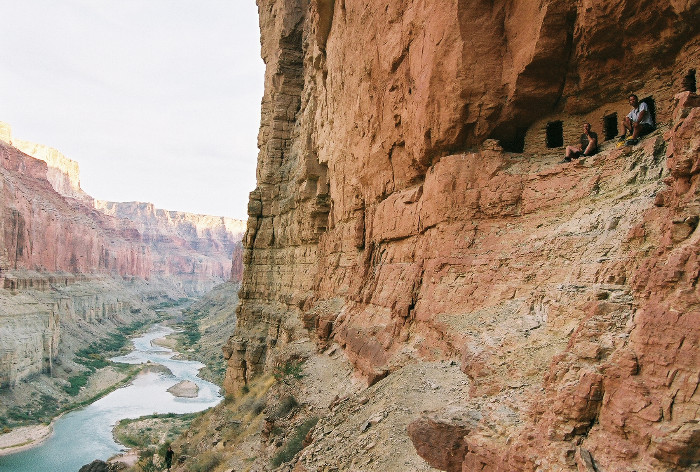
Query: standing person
{"points": [[638, 122], [587, 147], [169, 457]]}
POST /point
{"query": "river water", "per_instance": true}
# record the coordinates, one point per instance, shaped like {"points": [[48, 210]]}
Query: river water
{"points": [[84, 435]]}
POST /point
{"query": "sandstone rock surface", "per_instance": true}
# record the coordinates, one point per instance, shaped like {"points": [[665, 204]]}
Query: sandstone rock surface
{"points": [[387, 219]]}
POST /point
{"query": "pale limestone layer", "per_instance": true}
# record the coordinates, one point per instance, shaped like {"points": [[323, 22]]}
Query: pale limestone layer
{"points": [[63, 173]]}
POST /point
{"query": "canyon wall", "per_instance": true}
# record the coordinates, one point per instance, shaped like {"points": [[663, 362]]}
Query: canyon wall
{"points": [[57, 255], [389, 220], [192, 251], [196, 250], [63, 173], [67, 260], [44, 231], [35, 320]]}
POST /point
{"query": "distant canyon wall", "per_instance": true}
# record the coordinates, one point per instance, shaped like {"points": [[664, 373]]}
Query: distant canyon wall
{"points": [[42, 230], [65, 257], [63, 173], [389, 219], [196, 249]]}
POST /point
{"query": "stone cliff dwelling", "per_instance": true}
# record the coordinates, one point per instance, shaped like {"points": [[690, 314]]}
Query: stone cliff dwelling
{"points": [[388, 222], [552, 133]]}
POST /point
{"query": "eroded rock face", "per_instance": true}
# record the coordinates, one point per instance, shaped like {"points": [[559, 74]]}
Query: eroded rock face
{"points": [[32, 319], [195, 249], [43, 230], [29, 334], [387, 221], [63, 173]]}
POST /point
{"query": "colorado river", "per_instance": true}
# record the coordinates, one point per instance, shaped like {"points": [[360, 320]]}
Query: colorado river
{"points": [[84, 435]]}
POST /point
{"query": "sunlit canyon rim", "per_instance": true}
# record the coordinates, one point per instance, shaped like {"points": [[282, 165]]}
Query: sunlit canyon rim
{"points": [[411, 213]]}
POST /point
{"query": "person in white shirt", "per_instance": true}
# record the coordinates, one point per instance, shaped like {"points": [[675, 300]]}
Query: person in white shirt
{"points": [[638, 122]]}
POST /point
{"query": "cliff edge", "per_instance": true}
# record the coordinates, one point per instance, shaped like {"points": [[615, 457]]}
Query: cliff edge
{"points": [[410, 209]]}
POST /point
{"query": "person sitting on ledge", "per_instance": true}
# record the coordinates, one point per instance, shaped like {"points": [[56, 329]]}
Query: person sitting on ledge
{"points": [[638, 122], [588, 146]]}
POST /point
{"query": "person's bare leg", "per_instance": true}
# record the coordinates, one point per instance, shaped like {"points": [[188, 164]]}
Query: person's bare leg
{"points": [[626, 126], [637, 130], [572, 152], [569, 152]]}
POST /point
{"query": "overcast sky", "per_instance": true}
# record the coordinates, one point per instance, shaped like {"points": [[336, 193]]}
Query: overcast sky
{"points": [[157, 100]]}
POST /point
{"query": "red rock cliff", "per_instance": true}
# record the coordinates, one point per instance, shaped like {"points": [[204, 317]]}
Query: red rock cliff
{"points": [[45, 231], [387, 219], [196, 249], [191, 251]]}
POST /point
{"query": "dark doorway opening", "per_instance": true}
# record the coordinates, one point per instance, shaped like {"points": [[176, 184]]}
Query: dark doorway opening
{"points": [[517, 142], [610, 126], [651, 104], [555, 134], [689, 83]]}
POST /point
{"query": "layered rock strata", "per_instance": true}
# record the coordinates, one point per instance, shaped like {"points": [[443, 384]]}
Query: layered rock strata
{"points": [[196, 250], [389, 220], [59, 250], [32, 320], [63, 173], [43, 230], [51, 246]]}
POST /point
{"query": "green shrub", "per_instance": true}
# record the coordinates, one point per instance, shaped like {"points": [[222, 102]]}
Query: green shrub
{"points": [[163, 448], [259, 406], [295, 443], [146, 460], [191, 332], [48, 406], [287, 404], [18, 414], [139, 439], [290, 370], [132, 328], [76, 383]]}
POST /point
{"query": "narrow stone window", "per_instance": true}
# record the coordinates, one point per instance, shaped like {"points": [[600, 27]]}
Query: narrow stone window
{"points": [[555, 134], [517, 142], [689, 81], [610, 126], [651, 104]]}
